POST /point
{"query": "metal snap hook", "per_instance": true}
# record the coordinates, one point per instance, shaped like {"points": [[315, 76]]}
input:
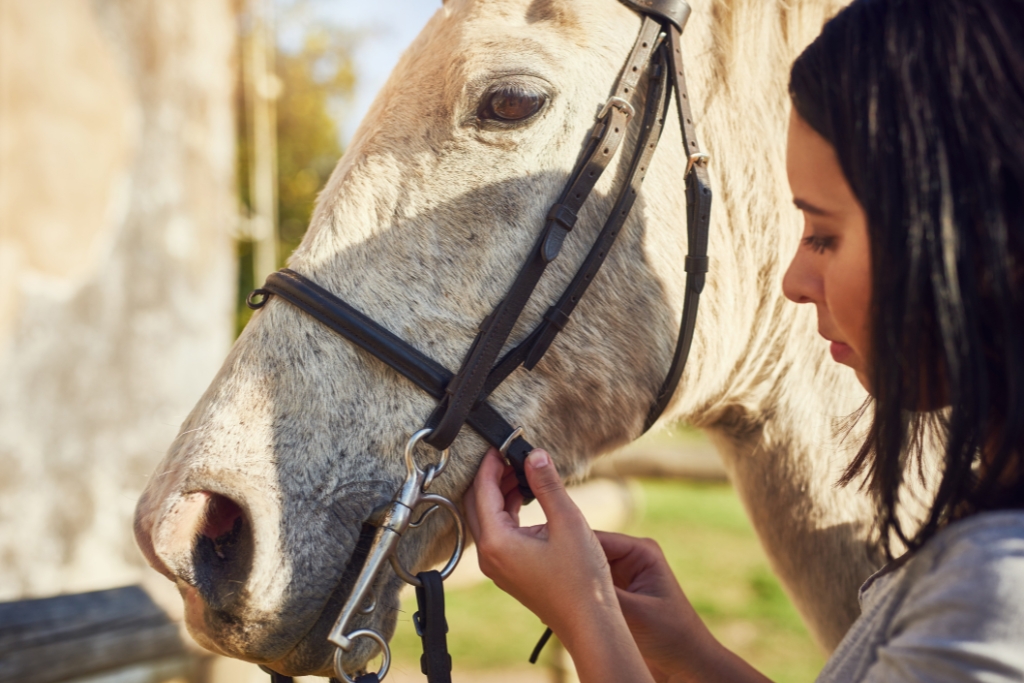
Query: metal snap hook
{"points": [[374, 636], [410, 458]]}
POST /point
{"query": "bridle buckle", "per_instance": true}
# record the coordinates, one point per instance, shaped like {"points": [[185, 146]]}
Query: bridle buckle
{"points": [[620, 104], [697, 159]]}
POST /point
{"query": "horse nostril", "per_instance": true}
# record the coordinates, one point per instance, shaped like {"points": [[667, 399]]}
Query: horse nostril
{"points": [[222, 552], [222, 516]]}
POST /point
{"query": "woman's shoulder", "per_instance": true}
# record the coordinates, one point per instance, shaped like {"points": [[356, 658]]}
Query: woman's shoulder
{"points": [[984, 543], [953, 611], [963, 610]]}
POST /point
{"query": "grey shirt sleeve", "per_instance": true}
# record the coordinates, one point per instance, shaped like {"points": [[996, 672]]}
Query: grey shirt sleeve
{"points": [[962, 619]]}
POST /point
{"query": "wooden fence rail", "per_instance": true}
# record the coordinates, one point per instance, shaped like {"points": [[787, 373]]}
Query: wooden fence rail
{"points": [[69, 637]]}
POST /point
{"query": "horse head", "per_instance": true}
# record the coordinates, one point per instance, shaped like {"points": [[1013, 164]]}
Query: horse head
{"points": [[258, 512]]}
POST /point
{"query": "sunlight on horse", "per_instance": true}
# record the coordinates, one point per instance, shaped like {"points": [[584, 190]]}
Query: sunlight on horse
{"points": [[259, 505]]}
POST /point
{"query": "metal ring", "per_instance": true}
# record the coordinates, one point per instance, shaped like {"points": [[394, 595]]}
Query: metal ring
{"points": [[372, 635], [516, 433], [460, 541], [251, 302], [410, 459]]}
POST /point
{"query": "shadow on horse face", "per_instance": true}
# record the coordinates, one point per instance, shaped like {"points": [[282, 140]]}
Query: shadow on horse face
{"points": [[300, 437]]}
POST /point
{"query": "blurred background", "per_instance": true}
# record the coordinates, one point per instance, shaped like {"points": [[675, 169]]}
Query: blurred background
{"points": [[157, 161]]}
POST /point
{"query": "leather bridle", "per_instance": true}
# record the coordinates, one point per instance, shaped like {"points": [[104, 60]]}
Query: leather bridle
{"points": [[462, 396]]}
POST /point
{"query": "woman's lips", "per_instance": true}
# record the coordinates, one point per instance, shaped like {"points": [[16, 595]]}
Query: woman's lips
{"points": [[840, 352]]}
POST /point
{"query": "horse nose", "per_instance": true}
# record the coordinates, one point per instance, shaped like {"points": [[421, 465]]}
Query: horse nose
{"points": [[205, 539]]}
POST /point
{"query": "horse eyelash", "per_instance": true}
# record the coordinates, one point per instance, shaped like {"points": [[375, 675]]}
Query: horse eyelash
{"points": [[819, 244]]}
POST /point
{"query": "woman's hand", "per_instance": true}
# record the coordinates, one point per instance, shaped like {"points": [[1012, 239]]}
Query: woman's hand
{"points": [[557, 570], [663, 623], [673, 640]]}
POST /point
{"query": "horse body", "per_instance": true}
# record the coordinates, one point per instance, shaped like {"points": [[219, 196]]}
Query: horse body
{"points": [[257, 510]]}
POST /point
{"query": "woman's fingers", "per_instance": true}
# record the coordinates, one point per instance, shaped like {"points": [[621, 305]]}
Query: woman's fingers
{"points": [[509, 481], [637, 564], [547, 486], [484, 501]]}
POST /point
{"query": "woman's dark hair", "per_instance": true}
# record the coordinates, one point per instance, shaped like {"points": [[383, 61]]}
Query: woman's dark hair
{"points": [[923, 101]]}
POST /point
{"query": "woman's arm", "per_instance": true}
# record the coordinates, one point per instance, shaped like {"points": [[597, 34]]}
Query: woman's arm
{"points": [[617, 609]]}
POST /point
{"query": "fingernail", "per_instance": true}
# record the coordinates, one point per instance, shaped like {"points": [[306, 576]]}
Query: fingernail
{"points": [[538, 459]]}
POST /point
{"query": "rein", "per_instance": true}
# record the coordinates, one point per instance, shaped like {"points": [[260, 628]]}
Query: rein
{"points": [[462, 396]]}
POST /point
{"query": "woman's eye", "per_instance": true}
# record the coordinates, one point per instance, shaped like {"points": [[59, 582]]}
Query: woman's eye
{"points": [[511, 104], [819, 244]]}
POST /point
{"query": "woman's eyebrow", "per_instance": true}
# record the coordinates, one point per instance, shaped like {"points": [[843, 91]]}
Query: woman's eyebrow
{"points": [[806, 206]]}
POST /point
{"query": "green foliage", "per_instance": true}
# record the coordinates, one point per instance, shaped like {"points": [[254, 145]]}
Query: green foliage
{"points": [[315, 80]]}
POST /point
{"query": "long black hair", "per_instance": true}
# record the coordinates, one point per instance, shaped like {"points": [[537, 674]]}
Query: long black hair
{"points": [[923, 101]]}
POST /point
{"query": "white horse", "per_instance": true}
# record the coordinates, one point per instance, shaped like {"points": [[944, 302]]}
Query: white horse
{"points": [[257, 509]]}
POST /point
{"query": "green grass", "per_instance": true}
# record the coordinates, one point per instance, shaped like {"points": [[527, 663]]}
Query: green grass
{"points": [[714, 552]]}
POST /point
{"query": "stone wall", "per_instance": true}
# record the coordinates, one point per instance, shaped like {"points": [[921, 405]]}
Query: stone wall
{"points": [[117, 267]]}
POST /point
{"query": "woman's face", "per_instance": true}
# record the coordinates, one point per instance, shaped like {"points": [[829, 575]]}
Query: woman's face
{"points": [[832, 265]]}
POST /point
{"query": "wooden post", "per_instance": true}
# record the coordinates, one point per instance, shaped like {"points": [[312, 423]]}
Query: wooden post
{"points": [[262, 88]]}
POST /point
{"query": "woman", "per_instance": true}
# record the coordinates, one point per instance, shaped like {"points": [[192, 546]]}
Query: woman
{"points": [[906, 157]]}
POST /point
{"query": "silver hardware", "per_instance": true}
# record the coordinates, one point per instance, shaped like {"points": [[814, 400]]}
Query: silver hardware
{"points": [[410, 459], [620, 104], [372, 635], [392, 521], [697, 159], [516, 433], [368, 609]]}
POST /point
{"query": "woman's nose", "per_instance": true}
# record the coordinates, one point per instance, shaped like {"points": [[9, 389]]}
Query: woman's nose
{"points": [[802, 283]]}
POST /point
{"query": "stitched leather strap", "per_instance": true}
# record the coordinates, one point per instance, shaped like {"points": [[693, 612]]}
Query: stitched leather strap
{"points": [[462, 397], [465, 389], [698, 221], [420, 369], [529, 352], [432, 628]]}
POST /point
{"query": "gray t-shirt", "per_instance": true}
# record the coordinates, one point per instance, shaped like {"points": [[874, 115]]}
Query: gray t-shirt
{"points": [[953, 612]]}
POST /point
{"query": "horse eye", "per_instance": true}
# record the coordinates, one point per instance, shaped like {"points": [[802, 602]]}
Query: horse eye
{"points": [[510, 104]]}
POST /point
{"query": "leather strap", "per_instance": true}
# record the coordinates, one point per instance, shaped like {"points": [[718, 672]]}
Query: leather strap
{"points": [[462, 397], [529, 352], [698, 220], [420, 369], [464, 391], [432, 628], [276, 677], [281, 678]]}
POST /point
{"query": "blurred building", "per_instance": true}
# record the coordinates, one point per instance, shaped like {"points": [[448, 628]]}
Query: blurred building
{"points": [[117, 267]]}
